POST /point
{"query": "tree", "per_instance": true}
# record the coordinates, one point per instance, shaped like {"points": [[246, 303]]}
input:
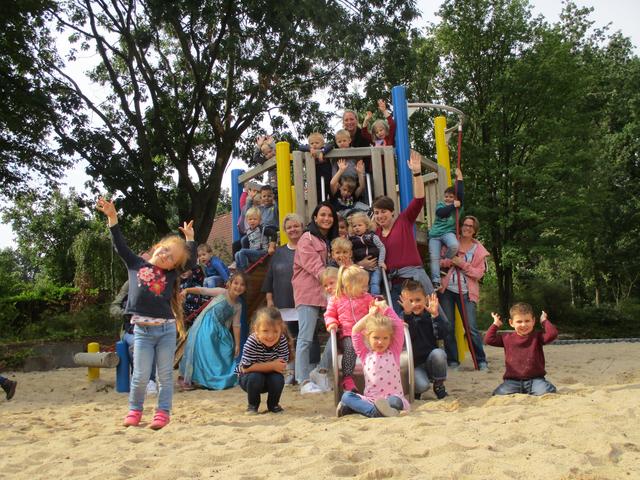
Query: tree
{"points": [[186, 80]]}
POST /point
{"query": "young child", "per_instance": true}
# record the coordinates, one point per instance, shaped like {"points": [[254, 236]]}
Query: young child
{"points": [[318, 149], [215, 271], [264, 360], [347, 190], [341, 253], [156, 309], [384, 131], [367, 244], [192, 303], [350, 303], [343, 140], [428, 331], [343, 227], [523, 354], [256, 242], [443, 231], [383, 395], [265, 203], [9, 387], [265, 150]]}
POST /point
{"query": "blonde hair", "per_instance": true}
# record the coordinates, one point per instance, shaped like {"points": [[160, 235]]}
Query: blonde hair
{"points": [[378, 321], [380, 123], [341, 243], [360, 217], [315, 135], [253, 212], [343, 133], [273, 318], [348, 277], [205, 247], [329, 272]]}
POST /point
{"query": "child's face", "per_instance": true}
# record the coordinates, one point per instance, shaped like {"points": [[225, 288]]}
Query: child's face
{"points": [[253, 221], [359, 227], [343, 229], [341, 256], [414, 301], [449, 198], [380, 132], [204, 256], [346, 190], [236, 286], [268, 335], [359, 287], [267, 151], [379, 340], [522, 323], [267, 197], [343, 141], [257, 200], [329, 286], [316, 142], [167, 256]]}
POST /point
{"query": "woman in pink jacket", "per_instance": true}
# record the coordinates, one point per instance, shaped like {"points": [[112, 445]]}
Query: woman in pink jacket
{"points": [[465, 271], [309, 262]]}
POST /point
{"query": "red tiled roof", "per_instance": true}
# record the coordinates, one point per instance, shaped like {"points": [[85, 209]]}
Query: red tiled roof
{"points": [[221, 232]]}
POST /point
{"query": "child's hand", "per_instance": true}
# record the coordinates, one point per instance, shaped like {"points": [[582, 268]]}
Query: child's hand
{"points": [[279, 365], [252, 193], [382, 265], [333, 327], [497, 321], [377, 306], [368, 116], [109, 209], [405, 308], [272, 248], [415, 162], [187, 231], [456, 203], [360, 167], [342, 165], [432, 305], [457, 261], [543, 317], [458, 174]]}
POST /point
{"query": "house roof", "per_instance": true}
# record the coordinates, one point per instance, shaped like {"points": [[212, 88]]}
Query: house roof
{"points": [[221, 231]]}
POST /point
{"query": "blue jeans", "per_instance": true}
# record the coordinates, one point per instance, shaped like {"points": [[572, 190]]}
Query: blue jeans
{"points": [[255, 383], [435, 247], [531, 386], [307, 319], [158, 341], [246, 256], [375, 279], [356, 404], [213, 281], [448, 300], [129, 338], [434, 369]]}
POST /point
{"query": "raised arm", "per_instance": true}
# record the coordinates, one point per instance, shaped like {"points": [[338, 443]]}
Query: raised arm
{"points": [[335, 180], [360, 169], [120, 244], [550, 330], [415, 165]]}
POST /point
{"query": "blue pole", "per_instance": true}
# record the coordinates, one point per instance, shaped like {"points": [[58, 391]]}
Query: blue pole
{"points": [[122, 370], [401, 116], [236, 191]]}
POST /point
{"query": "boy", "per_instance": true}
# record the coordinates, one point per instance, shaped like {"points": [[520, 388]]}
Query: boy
{"points": [[523, 355], [443, 231], [346, 190], [341, 253], [268, 209], [256, 242], [215, 271], [265, 150], [427, 330], [318, 149]]}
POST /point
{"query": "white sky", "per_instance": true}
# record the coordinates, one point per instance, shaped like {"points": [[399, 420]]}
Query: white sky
{"points": [[622, 14]]}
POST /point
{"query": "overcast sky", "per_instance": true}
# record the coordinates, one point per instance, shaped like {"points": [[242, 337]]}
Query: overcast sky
{"points": [[624, 15]]}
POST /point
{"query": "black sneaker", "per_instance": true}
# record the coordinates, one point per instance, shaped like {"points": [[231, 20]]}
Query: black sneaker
{"points": [[276, 409], [9, 386], [439, 390], [342, 410], [251, 410]]}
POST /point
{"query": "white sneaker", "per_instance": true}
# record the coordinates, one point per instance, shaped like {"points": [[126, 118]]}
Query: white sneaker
{"points": [[310, 387], [320, 377], [152, 388]]}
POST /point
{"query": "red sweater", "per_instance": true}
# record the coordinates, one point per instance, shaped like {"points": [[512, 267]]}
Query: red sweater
{"points": [[400, 243], [523, 356]]}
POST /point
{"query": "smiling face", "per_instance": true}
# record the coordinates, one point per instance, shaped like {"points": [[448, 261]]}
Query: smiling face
{"points": [[468, 229], [380, 132], [413, 301], [522, 323], [267, 334], [236, 286], [350, 122], [343, 141], [379, 340], [293, 229], [346, 189], [342, 256], [267, 197], [329, 286], [343, 228], [167, 256], [383, 217], [449, 198], [324, 219]]}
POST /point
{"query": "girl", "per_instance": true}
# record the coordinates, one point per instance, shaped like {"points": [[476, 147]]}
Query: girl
{"points": [[365, 244], [383, 395], [264, 360], [156, 312], [210, 350], [350, 303], [384, 131]]}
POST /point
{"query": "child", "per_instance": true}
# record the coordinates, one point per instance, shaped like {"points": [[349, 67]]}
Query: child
{"points": [[384, 131], [343, 227], [216, 273], [192, 303], [428, 331], [264, 360], [9, 387], [318, 149], [265, 150], [443, 231], [346, 190], [153, 302], [523, 355], [256, 242], [367, 244], [341, 253], [343, 140], [350, 303], [265, 203], [214, 339], [383, 395]]}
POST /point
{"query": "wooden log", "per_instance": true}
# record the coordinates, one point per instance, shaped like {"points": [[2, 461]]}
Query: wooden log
{"points": [[96, 360]]}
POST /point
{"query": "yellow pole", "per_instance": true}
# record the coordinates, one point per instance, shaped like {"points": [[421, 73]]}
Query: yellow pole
{"points": [[442, 151], [93, 373], [283, 171]]}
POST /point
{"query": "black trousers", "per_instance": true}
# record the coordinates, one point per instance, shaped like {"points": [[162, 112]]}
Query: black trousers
{"points": [[255, 383]]}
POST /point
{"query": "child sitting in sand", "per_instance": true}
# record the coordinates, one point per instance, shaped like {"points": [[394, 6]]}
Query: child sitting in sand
{"points": [[523, 355]]}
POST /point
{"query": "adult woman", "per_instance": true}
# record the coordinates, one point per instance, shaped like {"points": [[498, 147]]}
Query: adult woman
{"points": [[403, 260], [465, 271], [350, 124], [309, 262]]}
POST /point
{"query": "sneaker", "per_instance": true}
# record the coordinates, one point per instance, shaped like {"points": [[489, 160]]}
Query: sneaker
{"points": [[276, 409], [342, 410], [483, 366], [436, 286], [9, 387], [232, 266], [348, 385], [133, 418], [251, 410], [160, 420], [309, 387], [439, 390], [152, 388], [384, 409], [320, 377]]}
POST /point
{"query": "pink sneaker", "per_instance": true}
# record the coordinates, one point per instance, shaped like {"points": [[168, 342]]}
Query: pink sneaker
{"points": [[160, 420], [348, 385], [133, 418]]}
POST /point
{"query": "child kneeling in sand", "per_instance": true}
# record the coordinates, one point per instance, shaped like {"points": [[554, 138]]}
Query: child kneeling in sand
{"points": [[383, 395], [523, 353]]}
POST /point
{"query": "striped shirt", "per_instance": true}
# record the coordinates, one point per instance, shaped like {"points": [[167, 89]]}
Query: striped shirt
{"points": [[256, 352]]}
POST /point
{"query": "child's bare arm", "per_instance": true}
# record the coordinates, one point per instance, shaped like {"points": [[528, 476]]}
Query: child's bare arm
{"points": [[109, 209], [278, 366], [497, 321], [361, 178], [334, 184]]}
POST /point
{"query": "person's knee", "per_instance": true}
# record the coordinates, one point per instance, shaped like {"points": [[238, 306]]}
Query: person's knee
{"points": [[422, 380], [255, 380], [395, 402]]}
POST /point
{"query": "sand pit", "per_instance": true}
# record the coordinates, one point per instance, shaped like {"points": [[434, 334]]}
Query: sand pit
{"points": [[59, 426]]}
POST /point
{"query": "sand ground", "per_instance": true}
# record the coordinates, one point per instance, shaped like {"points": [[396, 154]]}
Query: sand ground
{"points": [[60, 426]]}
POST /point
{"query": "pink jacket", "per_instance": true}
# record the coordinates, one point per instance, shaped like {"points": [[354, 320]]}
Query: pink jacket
{"points": [[473, 270], [346, 311], [309, 262]]}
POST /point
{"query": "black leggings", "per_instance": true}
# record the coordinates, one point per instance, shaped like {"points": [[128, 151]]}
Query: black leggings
{"points": [[255, 383], [348, 357]]}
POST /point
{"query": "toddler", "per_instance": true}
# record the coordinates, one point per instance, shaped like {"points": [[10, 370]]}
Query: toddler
{"points": [[367, 244], [255, 244], [266, 150], [341, 253], [215, 271], [523, 354], [384, 131], [266, 204], [264, 360], [343, 227], [347, 190], [443, 231], [318, 149], [380, 356]]}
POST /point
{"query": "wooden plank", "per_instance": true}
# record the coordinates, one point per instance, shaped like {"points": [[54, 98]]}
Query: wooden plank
{"points": [[376, 170], [312, 193], [298, 184], [257, 171], [350, 152]]}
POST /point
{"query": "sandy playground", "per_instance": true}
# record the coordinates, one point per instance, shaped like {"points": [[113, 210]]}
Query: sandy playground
{"points": [[59, 426]]}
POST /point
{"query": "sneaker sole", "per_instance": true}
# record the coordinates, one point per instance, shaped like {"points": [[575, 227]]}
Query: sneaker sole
{"points": [[385, 409]]}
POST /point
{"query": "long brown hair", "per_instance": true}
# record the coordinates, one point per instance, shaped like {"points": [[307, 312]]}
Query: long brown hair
{"points": [[272, 317]]}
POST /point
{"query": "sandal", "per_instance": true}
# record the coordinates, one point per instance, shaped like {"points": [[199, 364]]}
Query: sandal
{"points": [[160, 420], [133, 418]]}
